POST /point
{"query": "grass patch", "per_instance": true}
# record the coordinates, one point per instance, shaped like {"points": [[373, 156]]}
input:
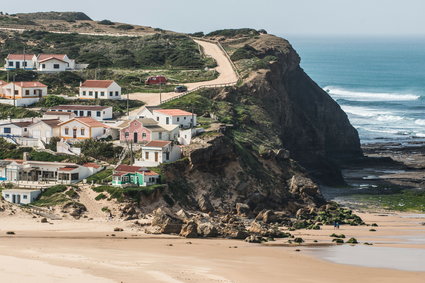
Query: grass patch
{"points": [[102, 177], [408, 200]]}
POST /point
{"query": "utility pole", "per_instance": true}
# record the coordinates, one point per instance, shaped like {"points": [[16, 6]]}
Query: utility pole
{"points": [[160, 93], [128, 111], [13, 90]]}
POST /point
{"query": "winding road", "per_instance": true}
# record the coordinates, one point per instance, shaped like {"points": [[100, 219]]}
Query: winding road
{"points": [[227, 75]]}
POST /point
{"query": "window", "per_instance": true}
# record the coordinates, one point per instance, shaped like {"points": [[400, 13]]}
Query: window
{"points": [[81, 113], [160, 135], [127, 134], [83, 131], [55, 66], [96, 93], [16, 92], [117, 93], [84, 93], [10, 63], [98, 113], [111, 93], [25, 129], [34, 92], [167, 120], [102, 93], [24, 196], [157, 118], [7, 195], [146, 155], [143, 135], [76, 112], [185, 118], [43, 66], [27, 92], [167, 156], [7, 130], [90, 93], [66, 131], [178, 119], [89, 113], [25, 63]]}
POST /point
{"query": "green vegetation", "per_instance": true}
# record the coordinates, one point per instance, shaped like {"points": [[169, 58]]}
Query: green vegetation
{"points": [[102, 177], [125, 27], [9, 150], [106, 23], [6, 20], [61, 16], [234, 32], [245, 52], [100, 197], [7, 111], [158, 50], [56, 195], [340, 236], [399, 200], [338, 241], [352, 241], [100, 150]]}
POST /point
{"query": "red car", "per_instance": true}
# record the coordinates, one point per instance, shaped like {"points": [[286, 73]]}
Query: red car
{"points": [[156, 80]]}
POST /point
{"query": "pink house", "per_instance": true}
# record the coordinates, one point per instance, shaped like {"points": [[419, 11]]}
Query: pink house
{"points": [[145, 130]]}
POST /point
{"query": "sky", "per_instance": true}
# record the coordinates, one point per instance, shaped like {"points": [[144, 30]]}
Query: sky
{"points": [[290, 17]]}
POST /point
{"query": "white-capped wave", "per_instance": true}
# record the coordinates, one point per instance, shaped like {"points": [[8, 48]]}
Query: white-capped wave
{"points": [[389, 118], [368, 96], [420, 122], [364, 111]]}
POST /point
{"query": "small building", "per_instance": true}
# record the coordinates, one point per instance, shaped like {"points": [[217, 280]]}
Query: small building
{"points": [[99, 89], [147, 112], [157, 152], [15, 129], [43, 173], [20, 61], [126, 175], [82, 128], [44, 129], [63, 116], [54, 63], [175, 117], [19, 90], [20, 196], [95, 111], [145, 130]]}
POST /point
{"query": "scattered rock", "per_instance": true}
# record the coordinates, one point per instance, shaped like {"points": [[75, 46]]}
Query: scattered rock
{"points": [[168, 223], [352, 241], [338, 241], [10, 233], [254, 239], [207, 229], [267, 216], [189, 230], [118, 229], [299, 240], [243, 209], [205, 204], [43, 220], [372, 230]]}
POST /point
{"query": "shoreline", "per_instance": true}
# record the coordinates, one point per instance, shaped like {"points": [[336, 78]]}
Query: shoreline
{"points": [[88, 255]]}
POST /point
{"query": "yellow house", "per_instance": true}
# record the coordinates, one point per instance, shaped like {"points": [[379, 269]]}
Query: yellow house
{"points": [[82, 128]]}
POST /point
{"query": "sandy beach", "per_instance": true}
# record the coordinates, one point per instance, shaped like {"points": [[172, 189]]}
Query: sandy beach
{"points": [[86, 251]]}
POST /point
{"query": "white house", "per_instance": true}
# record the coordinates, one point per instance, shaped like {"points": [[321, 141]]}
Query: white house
{"points": [[63, 116], [54, 63], [94, 111], [175, 117], [157, 152], [20, 196], [43, 173], [45, 129], [147, 112], [15, 129], [22, 93], [82, 128], [100, 89], [20, 61]]}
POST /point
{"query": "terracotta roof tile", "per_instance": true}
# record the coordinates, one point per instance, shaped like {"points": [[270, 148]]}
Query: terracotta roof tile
{"points": [[22, 124], [47, 56], [51, 58], [88, 121], [68, 168], [52, 122], [97, 83], [173, 112], [157, 143], [151, 173], [30, 84], [20, 56], [92, 165]]}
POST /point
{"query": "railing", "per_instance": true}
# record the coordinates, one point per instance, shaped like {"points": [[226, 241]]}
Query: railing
{"points": [[42, 212]]}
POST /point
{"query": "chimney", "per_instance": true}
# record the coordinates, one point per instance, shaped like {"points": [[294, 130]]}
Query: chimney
{"points": [[25, 157], [81, 83]]}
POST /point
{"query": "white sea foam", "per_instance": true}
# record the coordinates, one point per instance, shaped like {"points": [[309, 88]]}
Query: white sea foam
{"points": [[420, 122], [364, 111], [368, 96]]}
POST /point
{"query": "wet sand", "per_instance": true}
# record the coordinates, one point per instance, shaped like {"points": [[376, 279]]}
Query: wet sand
{"points": [[71, 249]]}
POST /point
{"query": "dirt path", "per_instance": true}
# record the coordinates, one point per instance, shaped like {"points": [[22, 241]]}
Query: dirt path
{"points": [[224, 68]]}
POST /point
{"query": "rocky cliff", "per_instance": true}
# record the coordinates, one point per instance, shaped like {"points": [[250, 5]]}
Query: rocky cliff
{"points": [[284, 134]]}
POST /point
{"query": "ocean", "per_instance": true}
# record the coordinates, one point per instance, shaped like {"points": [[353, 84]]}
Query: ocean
{"points": [[378, 82]]}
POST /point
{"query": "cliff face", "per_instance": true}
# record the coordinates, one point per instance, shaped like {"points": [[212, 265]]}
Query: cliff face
{"points": [[284, 130], [310, 124]]}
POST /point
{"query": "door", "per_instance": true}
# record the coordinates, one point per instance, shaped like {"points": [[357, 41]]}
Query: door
{"points": [[18, 65], [13, 198], [96, 94], [74, 133], [156, 156], [18, 199], [167, 120], [135, 138]]}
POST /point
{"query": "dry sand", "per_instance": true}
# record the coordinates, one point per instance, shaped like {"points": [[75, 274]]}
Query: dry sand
{"points": [[80, 251]]}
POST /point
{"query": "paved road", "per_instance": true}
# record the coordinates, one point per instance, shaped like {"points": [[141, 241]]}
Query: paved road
{"points": [[224, 68]]}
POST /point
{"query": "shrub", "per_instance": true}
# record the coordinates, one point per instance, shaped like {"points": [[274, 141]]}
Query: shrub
{"points": [[54, 190], [106, 23], [125, 27], [340, 236], [246, 52], [234, 32], [101, 177], [352, 241], [338, 241], [100, 196], [298, 240], [197, 34]]}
